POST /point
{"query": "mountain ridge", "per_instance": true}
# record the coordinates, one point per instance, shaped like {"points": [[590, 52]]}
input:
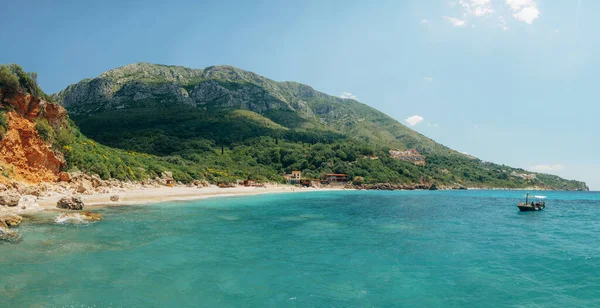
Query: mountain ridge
{"points": [[174, 111], [280, 96]]}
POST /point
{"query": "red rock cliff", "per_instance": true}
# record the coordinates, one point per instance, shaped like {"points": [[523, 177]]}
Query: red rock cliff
{"points": [[24, 155]]}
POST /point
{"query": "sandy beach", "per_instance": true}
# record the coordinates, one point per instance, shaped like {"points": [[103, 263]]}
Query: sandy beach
{"points": [[147, 195]]}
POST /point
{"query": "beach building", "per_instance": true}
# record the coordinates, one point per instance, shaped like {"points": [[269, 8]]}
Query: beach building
{"points": [[294, 178], [333, 178]]}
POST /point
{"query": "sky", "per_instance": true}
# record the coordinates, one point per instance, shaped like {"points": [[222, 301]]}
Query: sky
{"points": [[508, 81]]}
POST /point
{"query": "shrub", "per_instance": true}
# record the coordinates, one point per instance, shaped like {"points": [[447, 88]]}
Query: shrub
{"points": [[13, 79], [9, 82], [44, 129], [3, 124]]}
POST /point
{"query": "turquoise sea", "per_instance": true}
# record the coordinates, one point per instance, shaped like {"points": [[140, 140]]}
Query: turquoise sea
{"points": [[319, 249]]}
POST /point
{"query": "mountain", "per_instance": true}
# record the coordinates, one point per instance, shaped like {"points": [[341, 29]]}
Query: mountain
{"points": [[274, 106], [226, 123]]}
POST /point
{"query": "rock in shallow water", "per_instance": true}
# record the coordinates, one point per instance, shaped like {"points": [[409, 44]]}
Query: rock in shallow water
{"points": [[8, 235], [78, 218], [28, 202], [70, 203], [10, 220]]}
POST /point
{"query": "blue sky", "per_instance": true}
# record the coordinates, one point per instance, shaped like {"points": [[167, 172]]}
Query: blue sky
{"points": [[509, 81]]}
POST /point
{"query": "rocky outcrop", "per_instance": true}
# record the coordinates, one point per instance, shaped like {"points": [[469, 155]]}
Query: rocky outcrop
{"points": [[7, 221], [410, 155], [8, 235], [28, 202], [115, 198], [55, 114], [166, 85], [9, 198], [388, 186], [78, 218], [84, 186], [87, 184], [32, 159], [25, 105], [70, 203], [23, 149], [33, 190], [64, 177], [10, 220]]}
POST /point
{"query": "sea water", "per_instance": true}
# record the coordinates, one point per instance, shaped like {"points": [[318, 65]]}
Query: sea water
{"points": [[318, 249]]}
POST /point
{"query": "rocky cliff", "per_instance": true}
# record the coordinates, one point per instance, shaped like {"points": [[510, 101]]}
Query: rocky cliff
{"points": [[24, 154]]}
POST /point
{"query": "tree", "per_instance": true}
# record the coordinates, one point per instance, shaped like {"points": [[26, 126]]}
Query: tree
{"points": [[9, 82]]}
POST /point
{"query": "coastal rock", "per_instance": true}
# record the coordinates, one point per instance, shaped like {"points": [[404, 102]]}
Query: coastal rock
{"points": [[9, 198], [388, 186], [32, 190], [8, 235], [166, 178], [115, 198], [433, 187], [3, 187], [10, 220], [165, 175], [103, 190], [78, 218], [84, 186], [28, 202], [64, 177], [96, 181], [70, 203]]}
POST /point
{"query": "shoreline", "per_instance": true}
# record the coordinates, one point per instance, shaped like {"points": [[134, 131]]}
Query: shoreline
{"points": [[142, 195], [153, 195]]}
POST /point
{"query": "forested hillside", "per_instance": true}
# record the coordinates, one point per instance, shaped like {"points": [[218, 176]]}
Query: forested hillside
{"points": [[223, 123]]}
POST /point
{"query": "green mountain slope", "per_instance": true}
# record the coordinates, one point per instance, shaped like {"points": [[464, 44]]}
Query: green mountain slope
{"points": [[265, 128]]}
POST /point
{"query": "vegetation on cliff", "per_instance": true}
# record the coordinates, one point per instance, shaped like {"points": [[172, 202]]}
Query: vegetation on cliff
{"points": [[3, 124], [14, 79]]}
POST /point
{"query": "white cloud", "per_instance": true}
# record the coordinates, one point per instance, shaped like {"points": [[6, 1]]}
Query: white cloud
{"points": [[455, 21], [414, 120], [519, 4], [424, 21], [547, 168], [524, 10], [348, 95], [428, 79], [502, 23], [477, 8]]}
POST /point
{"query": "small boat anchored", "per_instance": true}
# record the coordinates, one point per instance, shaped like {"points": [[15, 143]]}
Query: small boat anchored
{"points": [[538, 205]]}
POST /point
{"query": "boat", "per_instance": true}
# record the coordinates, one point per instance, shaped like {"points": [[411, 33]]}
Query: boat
{"points": [[538, 205]]}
